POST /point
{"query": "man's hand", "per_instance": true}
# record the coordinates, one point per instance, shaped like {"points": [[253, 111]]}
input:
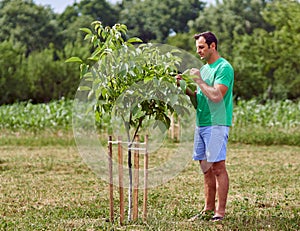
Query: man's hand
{"points": [[214, 93], [195, 71]]}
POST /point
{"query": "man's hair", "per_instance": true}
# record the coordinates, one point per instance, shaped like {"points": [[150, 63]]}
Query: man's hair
{"points": [[209, 38]]}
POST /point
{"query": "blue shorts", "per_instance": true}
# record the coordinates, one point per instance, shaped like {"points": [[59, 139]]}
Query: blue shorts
{"points": [[210, 143]]}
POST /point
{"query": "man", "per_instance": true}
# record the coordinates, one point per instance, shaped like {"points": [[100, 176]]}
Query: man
{"points": [[214, 98]]}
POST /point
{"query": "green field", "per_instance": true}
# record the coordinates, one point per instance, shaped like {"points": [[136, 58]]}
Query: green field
{"points": [[45, 185], [275, 122]]}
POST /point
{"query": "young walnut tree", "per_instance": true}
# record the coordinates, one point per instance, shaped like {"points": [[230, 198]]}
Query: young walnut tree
{"points": [[131, 80]]}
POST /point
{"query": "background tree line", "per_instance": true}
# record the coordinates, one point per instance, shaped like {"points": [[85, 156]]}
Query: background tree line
{"points": [[260, 37]]}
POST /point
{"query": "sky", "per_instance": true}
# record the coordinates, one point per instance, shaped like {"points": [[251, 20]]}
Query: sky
{"points": [[60, 5]]}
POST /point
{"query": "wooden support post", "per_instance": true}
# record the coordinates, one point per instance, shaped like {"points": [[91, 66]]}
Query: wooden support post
{"points": [[136, 148], [178, 129], [111, 183], [172, 127], [121, 184], [145, 179]]}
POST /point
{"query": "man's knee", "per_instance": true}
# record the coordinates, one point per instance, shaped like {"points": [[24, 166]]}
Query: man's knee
{"points": [[218, 168]]}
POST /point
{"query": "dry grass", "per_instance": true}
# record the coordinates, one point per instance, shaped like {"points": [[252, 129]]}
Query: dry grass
{"points": [[50, 188]]}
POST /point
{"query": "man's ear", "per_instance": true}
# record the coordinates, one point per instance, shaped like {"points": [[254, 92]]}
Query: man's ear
{"points": [[213, 45]]}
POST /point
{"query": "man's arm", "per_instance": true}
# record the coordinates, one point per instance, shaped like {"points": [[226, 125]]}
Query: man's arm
{"points": [[214, 93], [189, 92]]}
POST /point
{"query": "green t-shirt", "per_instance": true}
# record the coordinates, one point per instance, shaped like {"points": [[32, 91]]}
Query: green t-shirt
{"points": [[210, 113]]}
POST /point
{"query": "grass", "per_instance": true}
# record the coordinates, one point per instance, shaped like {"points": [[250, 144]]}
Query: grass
{"points": [[46, 186]]}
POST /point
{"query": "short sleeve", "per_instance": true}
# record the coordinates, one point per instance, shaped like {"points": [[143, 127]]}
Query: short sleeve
{"points": [[224, 75]]}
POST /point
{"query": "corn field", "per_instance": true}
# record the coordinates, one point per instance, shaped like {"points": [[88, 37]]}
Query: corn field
{"points": [[249, 117], [273, 114]]}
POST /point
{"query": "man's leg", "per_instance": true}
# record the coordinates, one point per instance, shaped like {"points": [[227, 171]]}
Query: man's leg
{"points": [[210, 195], [222, 180], [209, 189]]}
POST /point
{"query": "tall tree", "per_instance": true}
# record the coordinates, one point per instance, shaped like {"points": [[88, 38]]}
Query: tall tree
{"points": [[25, 22], [283, 56], [155, 19], [99, 10], [12, 73], [267, 63], [229, 17], [80, 15]]}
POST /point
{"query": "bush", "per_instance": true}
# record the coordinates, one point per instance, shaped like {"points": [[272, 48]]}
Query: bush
{"points": [[41, 77], [13, 79], [50, 77]]}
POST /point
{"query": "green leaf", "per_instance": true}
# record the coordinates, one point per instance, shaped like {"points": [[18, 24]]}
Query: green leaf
{"points": [[103, 92], [95, 55], [183, 86], [91, 94], [173, 99], [84, 88], [86, 30], [192, 86], [147, 79], [88, 36], [134, 40], [193, 76], [88, 76], [74, 59], [186, 72], [135, 109], [94, 58]]}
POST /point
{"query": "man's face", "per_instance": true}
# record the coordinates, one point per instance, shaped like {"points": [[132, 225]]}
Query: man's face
{"points": [[202, 48]]}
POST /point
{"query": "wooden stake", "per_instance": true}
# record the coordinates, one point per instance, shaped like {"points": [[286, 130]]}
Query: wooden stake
{"points": [[145, 179], [178, 129], [111, 183], [136, 149], [172, 127], [121, 186]]}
